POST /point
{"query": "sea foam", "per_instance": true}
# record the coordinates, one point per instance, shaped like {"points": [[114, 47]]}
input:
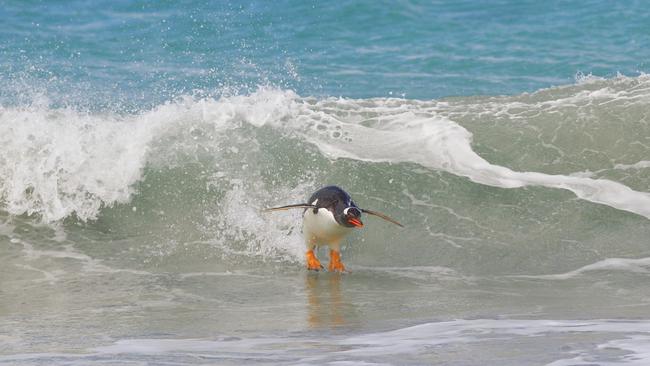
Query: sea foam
{"points": [[58, 162]]}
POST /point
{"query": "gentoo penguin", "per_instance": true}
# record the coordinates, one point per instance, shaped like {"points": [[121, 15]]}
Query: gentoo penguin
{"points": [[329, 215]]}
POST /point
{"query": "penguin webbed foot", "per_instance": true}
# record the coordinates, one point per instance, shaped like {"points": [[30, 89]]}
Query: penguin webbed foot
{"points": [[335, 262], [315, 268], [313, 264]]}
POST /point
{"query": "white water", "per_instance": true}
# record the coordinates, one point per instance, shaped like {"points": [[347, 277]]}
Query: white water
{"points": [[548, 342], [60, 162]]}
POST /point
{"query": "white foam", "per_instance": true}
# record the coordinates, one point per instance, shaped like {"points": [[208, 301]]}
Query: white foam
{"points": [[88, 263], [638, 347], [644, 164], [631, 338], [155, 346], [49, 277], [61, 162], [640, 265], [412, 341], [266, 235], [636, 350], [426, 273], [417, 338], [56, 162], [405, 135], [219, 274]]}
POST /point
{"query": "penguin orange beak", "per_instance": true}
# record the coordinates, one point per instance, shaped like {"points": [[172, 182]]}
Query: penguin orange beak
{"points": [[355, 222]]}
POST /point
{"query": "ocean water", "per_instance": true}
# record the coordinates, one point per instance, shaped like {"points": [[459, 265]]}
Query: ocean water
{"points": [[140, 141]]}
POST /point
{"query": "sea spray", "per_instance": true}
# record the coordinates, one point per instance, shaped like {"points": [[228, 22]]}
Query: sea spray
{"points": [[60, 162]]}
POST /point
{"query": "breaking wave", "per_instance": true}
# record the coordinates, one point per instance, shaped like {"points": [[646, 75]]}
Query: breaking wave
{"points": [[62, 162]]}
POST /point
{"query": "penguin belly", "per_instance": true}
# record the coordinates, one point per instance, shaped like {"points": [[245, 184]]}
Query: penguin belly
{"points": [[321, 228]]}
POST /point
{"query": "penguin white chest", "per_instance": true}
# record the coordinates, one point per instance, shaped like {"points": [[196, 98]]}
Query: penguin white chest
{"points": [[321, 227]]}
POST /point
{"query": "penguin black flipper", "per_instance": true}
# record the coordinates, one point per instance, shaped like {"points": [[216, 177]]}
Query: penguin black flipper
{"points": [[379, 214], [288, 207]]}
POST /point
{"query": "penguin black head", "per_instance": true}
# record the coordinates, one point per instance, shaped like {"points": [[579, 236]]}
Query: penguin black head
{"points": [[350, 217], [340, 204]]}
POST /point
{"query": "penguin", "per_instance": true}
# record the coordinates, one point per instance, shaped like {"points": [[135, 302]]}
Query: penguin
{"points": [[329, 215]]}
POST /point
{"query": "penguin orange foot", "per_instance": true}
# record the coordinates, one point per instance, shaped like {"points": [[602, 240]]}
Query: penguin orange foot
{"points": [[335, 262], [313, 263], [329, 215]]}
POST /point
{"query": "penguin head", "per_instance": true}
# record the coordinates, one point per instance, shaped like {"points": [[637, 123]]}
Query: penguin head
{"points": [[351, 217]]}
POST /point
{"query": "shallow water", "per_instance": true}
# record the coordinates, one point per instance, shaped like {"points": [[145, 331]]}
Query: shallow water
{"points": [[140, 143]]}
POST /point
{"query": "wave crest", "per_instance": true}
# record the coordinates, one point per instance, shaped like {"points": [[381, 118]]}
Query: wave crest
{"points": [[58, 163]]}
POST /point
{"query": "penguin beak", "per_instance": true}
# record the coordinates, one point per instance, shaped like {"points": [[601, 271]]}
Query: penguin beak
{"points": [[355, 222]]}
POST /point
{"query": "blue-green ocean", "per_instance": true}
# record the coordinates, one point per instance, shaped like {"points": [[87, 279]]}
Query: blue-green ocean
{"points": [[140, 142]]}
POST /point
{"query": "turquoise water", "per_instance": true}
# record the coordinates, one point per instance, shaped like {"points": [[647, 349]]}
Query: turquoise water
{"points": [[140, 141], [146, 52]]}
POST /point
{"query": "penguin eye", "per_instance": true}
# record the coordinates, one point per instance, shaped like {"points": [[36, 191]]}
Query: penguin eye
{"points": [[352, 211]]}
